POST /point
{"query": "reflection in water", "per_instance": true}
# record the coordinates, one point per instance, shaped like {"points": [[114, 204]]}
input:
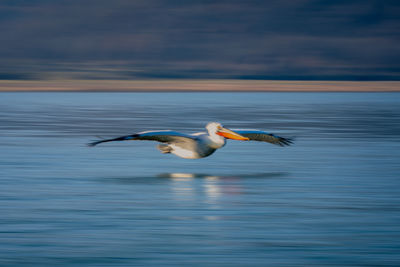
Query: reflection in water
{"points": [[212, 190], [184, 177], [182, 186], [219, 177], [178, 176], [187, 185]]}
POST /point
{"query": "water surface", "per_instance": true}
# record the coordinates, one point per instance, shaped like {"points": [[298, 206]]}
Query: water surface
{"points": [[331, 199]]}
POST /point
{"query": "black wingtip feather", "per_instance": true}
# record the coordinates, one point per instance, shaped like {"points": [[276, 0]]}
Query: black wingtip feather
{"points": [[102, 141], [285, 141], [91, 144], [122, 138]]}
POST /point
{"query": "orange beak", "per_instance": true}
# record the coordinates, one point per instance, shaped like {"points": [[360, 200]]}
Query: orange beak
{"points": [[231, 134]]}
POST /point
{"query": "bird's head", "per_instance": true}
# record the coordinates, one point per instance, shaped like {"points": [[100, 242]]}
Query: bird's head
{"points": [[217, 128]]}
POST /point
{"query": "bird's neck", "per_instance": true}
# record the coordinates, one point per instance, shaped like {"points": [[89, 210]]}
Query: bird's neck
{"points": [[217, 141]]}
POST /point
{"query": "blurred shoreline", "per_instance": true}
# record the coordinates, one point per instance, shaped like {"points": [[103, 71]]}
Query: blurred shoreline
{"points": [[190, 85]]}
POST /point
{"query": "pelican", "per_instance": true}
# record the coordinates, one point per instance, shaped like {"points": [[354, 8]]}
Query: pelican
{"points": [[202, 144]]}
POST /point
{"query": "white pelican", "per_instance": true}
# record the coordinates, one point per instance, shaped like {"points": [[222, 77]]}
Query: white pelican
{"points": [[199, 145]]}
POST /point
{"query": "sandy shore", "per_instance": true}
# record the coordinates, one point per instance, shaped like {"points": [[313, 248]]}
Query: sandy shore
{"points": [[199, 85]]}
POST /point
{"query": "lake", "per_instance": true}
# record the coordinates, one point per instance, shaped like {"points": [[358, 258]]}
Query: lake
{"points": [[332, 198]]}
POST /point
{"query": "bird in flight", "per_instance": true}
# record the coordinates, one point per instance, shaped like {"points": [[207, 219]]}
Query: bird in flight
{"points": [[202, 144]]}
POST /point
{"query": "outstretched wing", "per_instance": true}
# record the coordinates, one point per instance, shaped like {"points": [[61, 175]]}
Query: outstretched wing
{"points": [[256, 135], [160, 136]]}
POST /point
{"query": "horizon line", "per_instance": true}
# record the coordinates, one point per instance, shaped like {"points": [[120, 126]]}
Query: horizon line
{"points": [[196, 85]]}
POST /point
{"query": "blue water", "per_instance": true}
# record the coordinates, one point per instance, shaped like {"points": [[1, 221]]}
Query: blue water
{"points": [[333, 198]]}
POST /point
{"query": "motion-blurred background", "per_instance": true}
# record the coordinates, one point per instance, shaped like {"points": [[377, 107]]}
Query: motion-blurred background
{"points": [[122, 39], [332, 198]]}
